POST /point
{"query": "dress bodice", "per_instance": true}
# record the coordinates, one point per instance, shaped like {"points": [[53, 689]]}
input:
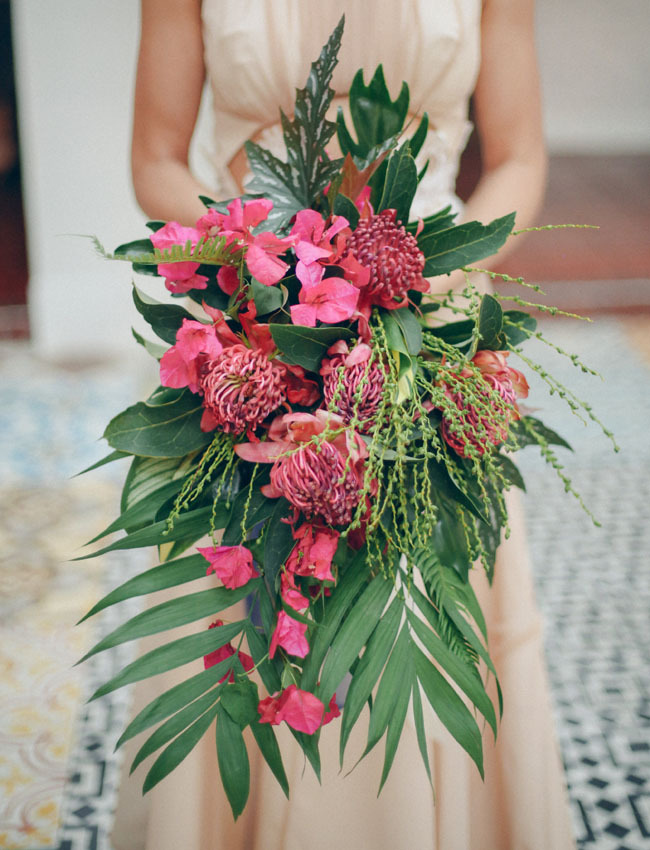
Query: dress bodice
{"points": [[258, 51]]}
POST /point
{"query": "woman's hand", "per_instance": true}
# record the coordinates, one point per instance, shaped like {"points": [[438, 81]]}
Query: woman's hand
{"points": [[168, 92]]}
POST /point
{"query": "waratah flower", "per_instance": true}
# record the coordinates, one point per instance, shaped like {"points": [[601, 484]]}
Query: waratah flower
{"points": [[353, 388], [240, 387], [315, 477], [233, 565], [179, 277], [301, 710], [224, 652], [485, 424], [393, 258]]}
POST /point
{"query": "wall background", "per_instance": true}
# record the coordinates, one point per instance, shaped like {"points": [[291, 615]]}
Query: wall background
{"points": [[75, 65]]}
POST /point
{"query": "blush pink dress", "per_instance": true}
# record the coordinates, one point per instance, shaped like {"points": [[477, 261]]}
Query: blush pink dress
{"points": [[257, 52]]}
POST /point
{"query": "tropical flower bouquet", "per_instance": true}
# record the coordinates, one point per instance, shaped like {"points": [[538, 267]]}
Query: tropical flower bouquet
{"points": [[339, 455]]}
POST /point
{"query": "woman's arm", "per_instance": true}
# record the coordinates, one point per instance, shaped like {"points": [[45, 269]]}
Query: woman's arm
{"points": [[168, 91], [508, 110]]}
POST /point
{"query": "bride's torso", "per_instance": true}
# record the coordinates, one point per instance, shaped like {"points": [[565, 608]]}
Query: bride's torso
{"points": [[257, 52]]}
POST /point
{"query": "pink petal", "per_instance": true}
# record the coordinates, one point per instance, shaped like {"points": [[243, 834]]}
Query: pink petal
{"points": [[309, 275], [228, 279], [303, 314], [301, 710], [267, 268], [290, 635], [265, 452], [174, 233], [233, 565], [309, 225], [339, 223], [309, 253], [255, 212]]}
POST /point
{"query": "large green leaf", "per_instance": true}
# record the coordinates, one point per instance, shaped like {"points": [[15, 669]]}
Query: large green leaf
{"points": [[259, 649], [403, 321], [305, 346], [268, 744], [148, 474], [161, 430], [450, 708], [375, 116], [240, 700], [174, 754], [248, 510], [520, 430], [172, 613], [233, 762], [352, 636], [191, 524], [460, 246], [175, 698], [518, 326], [465, 675], [169, 574], [142, 512], [369, 669], [420, 732], [108, 459], [400, 184], [171, 655], [176, 724], [402, 697], [165, 319], [278, 541], [267, 299], [490, 322], [347, 591], [392, 680]]}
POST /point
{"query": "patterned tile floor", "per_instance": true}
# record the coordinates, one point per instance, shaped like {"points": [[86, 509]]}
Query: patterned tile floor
{"points": [[593, 586]]}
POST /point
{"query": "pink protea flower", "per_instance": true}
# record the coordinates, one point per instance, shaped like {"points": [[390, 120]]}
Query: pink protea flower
{"points": [[393, 258], [233, 565], [481, 429], [300, 709], [241, 387], [224, 652], [342, 373], [316, 478]]}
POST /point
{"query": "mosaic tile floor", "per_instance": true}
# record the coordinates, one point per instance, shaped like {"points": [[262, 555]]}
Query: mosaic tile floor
{"points": [[593, 586]]}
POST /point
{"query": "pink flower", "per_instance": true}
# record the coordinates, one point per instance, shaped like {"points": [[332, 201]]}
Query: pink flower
{"points": [[299, 709], [290, 593], [290, 635], [510, 383], [315, 478], [232, 564], [262, 249], [332, 300], [342, 373], [313, 553], [224, 652], [179, 277], [314, 243], [180, 365]]}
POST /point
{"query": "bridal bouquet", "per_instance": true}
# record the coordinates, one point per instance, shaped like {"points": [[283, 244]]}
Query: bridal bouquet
{"points": [[338, 453]]}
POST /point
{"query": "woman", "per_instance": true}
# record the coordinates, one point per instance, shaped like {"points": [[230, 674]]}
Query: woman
{"points": [[254, 53]]}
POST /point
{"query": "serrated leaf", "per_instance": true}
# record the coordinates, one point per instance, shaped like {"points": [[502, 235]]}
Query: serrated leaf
{"points": [[375, 116], [165, 430], [303, 346], [165, 319], [172, 613], [233, 762], [170, 655], [460, 246], [169, 574], [525, 439], [178, 750]]}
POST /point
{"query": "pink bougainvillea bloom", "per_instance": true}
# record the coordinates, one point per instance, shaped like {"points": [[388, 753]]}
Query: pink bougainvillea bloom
{"points": [[233, 565], [180, 365], [314, 244], [228, 279], [290, 593], [313, 553], [179, 277], [299, 709], [224, 652], [290, 635], [332, 300], [332, 711]]}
